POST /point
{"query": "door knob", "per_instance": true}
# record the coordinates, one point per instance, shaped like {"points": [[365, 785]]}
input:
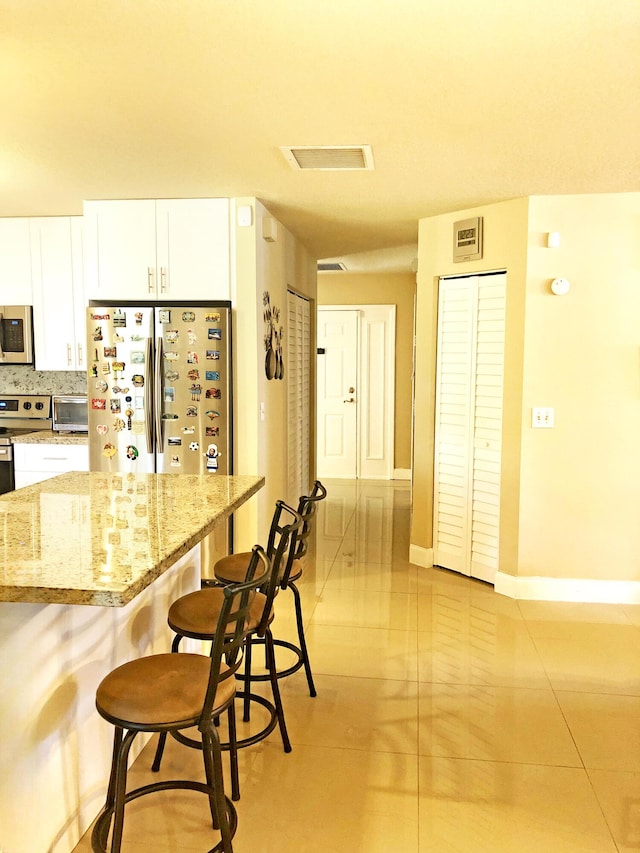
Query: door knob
{"points": [[351, 390]]}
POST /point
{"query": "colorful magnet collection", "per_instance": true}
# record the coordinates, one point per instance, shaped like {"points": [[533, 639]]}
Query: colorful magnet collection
{"points": [[126, 407]]}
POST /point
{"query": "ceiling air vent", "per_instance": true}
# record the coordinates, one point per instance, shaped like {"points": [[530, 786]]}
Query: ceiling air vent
{"points": [[330, 267], [329, 156]]}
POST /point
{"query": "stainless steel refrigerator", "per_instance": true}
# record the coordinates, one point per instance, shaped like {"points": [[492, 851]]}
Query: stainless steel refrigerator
{"points": [[159, 387]]}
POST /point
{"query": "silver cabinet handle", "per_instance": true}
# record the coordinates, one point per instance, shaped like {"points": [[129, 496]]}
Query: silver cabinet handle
{"points": [[150, 282], [80, 356], [69, 355], [164, 287]]}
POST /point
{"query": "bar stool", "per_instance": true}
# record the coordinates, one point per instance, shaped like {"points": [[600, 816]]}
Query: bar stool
{"points": [[195, 615], [167, 693], [231, 569]]}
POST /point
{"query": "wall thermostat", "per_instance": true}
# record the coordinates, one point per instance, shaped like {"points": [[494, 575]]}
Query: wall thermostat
{"points": [[560, 286], [467, 239]]}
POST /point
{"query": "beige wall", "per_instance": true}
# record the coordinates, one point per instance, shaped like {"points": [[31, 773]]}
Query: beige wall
{"points": [[383, 289], [261, 445], [580, 482], [569, 495]]}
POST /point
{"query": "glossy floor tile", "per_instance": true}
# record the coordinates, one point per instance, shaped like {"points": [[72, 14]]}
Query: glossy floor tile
{"points": [[449, 719]]}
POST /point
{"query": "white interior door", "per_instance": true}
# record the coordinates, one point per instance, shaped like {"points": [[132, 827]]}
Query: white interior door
{"points": [[298, 388], [337, 389], [468, 434]]}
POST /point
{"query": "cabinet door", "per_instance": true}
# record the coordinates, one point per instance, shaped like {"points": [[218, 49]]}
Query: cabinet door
{"points": [[15, 262], [120, 249], [56, 273], [193, 248]]}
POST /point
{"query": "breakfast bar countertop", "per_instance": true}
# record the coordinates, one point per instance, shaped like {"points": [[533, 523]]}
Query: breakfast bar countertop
{"points": [[101, 538]]}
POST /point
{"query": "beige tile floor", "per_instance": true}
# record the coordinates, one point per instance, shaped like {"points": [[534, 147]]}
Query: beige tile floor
{"points": [[448, 719]]}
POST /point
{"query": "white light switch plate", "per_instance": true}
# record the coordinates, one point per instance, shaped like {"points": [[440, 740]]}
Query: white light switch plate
{"points": [[542, 418]]}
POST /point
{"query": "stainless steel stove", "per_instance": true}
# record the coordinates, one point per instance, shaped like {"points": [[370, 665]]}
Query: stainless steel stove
{"points": [[19, 414]]}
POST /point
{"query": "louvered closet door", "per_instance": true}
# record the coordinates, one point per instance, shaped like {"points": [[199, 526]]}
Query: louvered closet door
{"points": [[298, 390], [468, 435]]}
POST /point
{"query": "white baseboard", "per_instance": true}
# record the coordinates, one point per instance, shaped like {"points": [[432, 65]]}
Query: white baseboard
{"points": [[402, 473], [421, 556], [567, 589]]}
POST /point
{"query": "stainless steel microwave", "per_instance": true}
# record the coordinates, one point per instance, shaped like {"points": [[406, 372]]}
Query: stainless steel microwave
{"points": [[16, 334]]}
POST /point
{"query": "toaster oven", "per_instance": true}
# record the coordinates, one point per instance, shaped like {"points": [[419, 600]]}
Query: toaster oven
{"points": [[69, 413]]}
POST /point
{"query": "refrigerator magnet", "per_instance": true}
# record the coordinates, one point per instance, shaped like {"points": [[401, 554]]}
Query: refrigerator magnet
{"points": [[171, 336], [211, 414], [213, 355], [102, 386], [174, 441], [191, 337], [115, 406], [193, 445], [110, 352], [192, 358], [192, 412], [109, 450], [188, 316], [132, 451], [172, 375], [118, 390], [215, 334], [118, 367], [137, 380], [195, 391], [212, 376], [175, 461], [212, 317], [193, 375], [118, 424], [169, 394], [97, 333], [98, 403], [169, 416], [189, 430], [102, 429], [137, 357], [212, 455], [212, 431], [138, 317], [137, 427], [119, 318], [164, 315], [170, 356], [213, 394]]}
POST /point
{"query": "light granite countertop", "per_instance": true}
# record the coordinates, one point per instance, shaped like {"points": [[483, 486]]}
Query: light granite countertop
{"points": [[101, 538], [48, 436]]}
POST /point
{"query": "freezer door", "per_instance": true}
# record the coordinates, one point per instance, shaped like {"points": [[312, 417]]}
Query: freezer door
{"points": [[193, 366], [120, 388]]}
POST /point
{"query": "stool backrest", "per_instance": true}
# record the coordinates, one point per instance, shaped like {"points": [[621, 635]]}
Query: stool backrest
{"points": [[307, 506], [231, 630], [285, 527]]}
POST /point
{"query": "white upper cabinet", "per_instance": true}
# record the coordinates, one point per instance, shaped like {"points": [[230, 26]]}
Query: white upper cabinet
{"points": [[58, 293], [173, 249], [15, 262]]}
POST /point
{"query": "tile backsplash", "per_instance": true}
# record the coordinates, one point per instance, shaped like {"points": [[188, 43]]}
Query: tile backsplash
{"points": [[23, 379]]}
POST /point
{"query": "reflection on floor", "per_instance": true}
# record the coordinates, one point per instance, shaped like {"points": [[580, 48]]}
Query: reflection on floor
{"points": [[448, 718]]}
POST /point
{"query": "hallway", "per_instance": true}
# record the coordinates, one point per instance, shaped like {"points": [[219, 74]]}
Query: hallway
{"points": [[448, 719]]}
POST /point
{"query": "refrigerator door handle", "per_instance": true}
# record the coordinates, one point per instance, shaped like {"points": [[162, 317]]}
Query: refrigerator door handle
{"points": [[148, 401], [159, 399]]}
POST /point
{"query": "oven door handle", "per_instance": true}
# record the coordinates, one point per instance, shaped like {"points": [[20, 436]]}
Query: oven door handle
{"points": [[6, 453], [1, 335]]}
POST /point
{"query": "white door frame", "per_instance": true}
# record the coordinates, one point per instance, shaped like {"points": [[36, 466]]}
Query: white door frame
{"points": [[375, 390]]}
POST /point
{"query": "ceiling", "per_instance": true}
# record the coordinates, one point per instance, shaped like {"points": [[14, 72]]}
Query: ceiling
{"points": [[463, 103]]}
